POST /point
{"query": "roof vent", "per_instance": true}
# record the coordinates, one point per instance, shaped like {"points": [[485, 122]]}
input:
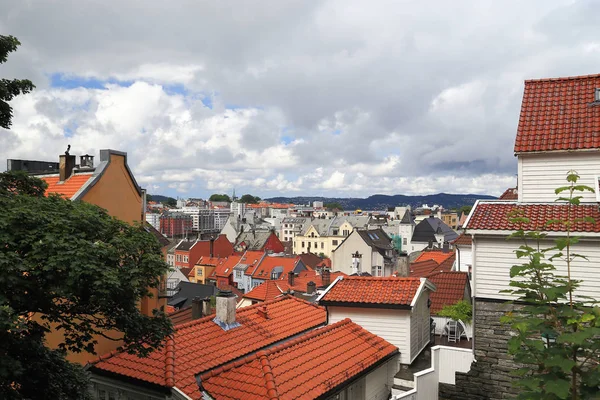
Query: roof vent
{"points": [[597, 94]]}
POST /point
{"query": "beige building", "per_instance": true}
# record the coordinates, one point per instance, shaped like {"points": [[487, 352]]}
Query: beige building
{"points": [[325, 235]]}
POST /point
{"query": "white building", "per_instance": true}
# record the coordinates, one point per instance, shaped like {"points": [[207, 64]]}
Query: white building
{"points": [[392, 308], [368, 251], [153, 219]]}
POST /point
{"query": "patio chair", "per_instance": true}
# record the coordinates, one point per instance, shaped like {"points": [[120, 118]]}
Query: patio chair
{"points": [[468, 333], [453, 331]]}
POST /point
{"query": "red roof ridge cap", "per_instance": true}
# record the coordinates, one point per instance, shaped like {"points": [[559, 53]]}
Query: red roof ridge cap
{"points": [[562, 78], [170, 362], [269, 376]]}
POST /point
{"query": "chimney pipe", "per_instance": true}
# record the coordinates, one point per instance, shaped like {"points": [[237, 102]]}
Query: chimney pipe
{"points": [[212, 246], [262, 311], [66, 165], [226, 310], [206, 308], [446, 247], [291, 278], [196, 308], [326, 277], [311, 287]]}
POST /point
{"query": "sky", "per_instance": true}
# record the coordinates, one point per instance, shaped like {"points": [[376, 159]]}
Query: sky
{"points": [[327, 98]]}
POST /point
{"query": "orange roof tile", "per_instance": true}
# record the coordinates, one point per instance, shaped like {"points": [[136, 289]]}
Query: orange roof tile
{"points": [[313, 365], [210, 261], [67, 188], [270, 289], [450, 289], [495, 216], [225, 266], [389, 291], [438, 256], [463, 240], [181, 316], [423, 268], [559, 114], [509, 194], [268, 263], [201, 345]]}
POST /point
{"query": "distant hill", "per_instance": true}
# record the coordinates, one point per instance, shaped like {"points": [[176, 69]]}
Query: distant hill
{"points": [[160, 198], [382, 202]]}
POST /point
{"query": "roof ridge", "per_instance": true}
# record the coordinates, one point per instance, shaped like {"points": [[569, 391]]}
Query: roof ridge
{"points": [[170, 362], [562, 78], [267, 371]]}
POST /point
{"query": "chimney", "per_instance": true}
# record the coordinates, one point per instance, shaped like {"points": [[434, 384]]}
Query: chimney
{"points": [[86, 161], [446, 247], [212, 246], [262, 311], [65, 167], [326, 277], [291, 278], [226, 310], [196, 307], [311, 287], [206, 308]]}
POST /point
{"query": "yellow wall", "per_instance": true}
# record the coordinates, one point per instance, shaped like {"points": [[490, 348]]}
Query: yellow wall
{"points": [[202, 272], [116, 192]]}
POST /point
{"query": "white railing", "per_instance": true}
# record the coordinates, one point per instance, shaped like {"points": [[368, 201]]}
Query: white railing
{"points": [[445, 362]]}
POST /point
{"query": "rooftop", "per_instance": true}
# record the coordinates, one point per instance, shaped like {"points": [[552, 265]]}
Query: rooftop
{"points": [[356, 290], [311, 366], [463, 240], [202, 345], [68, 188], [450, 289], [559, 114], [495, 216]]}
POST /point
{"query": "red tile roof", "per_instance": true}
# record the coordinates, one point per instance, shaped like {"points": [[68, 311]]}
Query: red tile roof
{"points": [[308, 367], [495, 216], [463, 239], [268, 290], [423, 268], [67, 188], [559, 114], [225, 266], [437, 256], [210, 261], [268, 263], [201, 345], [181, 316], [272, 289], [510, 194], [373, 290], [450, 288]]}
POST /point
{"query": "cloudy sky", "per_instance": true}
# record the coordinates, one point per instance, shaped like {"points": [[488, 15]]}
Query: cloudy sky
{"points": [[337, 98]]}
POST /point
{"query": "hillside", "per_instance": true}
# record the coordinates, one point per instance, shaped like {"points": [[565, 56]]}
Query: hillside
{"points": [[382, 202]]}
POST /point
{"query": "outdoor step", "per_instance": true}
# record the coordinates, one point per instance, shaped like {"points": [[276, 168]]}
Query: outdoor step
{"points": [[401, 389], [404, 382]]}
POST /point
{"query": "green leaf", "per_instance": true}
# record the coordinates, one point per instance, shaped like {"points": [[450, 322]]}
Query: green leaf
{"points": [[559, 388]]}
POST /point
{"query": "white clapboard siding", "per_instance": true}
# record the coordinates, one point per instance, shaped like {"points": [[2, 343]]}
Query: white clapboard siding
{"points": [[495, 256], [541, 174], [419, 326], [379, 382], [466, 258], [391, 325]]}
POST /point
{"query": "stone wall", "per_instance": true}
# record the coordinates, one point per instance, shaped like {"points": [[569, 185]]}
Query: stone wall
{"points": [[489, 377]]}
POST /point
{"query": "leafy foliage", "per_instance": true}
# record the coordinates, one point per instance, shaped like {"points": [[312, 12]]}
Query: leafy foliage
{"points": [[220, 197], [10, 88], [465, 210], [557, 332], [463, 310], [333, 206], [249, 199], [70, 266]]}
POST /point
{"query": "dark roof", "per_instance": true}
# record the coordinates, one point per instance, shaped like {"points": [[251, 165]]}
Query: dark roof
{"points": [[377, 239], [186, 291], [185, 245], [159, 236], [425, 231], [310, 260], [407, 218]]}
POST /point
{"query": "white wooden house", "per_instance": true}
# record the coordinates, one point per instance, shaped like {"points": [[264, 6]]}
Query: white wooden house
{"points": [[396, 309], [365, 250]]}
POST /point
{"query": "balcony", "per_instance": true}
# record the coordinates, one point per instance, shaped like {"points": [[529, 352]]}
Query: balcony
{"points": [[168, 287]]}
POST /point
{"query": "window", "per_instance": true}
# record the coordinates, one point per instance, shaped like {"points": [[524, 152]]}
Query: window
{"points": [[302, 244], [335, 232], [322, 245], [376, 270], [312, 234], [238, 274], [178, 257], [334, 242], [185, 258], [199, 271], [404, 241]]}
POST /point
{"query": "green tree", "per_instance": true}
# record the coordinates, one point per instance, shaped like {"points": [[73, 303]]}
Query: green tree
{"points": [[462, 310], [465, 210], [220, 197], [69, 265], [557, 330], [170, 202], [333, 206], [10, 88], [249, 199]]}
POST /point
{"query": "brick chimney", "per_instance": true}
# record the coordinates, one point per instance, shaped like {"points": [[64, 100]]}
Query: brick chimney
{"points": [[65, 167], [291, 278], [226, 310], [212, 246], [326, 277], [196, 307], [311, 287]]}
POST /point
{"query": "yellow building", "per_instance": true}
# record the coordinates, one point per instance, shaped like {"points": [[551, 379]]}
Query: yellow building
{"points": [[325, 235], [203, 269]]}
